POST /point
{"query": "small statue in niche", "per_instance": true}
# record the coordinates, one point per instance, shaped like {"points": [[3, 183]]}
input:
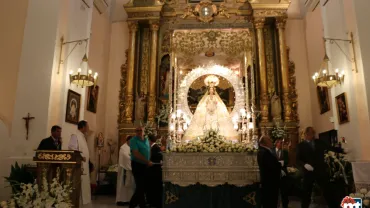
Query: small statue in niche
{"points": [[140, 107], [275, 107]]}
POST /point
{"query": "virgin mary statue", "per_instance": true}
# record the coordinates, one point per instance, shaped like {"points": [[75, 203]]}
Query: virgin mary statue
{"points": [[211, 114]]}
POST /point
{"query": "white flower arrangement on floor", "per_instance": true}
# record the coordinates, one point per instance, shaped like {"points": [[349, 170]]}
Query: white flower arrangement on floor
{"points": [[364, 195], [51, 195], [212, 142], [339, 167]]}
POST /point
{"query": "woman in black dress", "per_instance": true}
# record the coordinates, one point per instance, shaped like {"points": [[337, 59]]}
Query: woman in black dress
{"points": [[154, 195]]}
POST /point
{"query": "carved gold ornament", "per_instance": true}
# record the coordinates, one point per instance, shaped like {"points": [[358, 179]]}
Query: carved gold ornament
{"points": [[205, 11], [57, 157], [231, 42], [170, 198], [250, 198]]}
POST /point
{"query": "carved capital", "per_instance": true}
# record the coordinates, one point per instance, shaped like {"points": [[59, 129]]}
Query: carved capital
{"points": [[154, 26], [280, 22], [132, 25], [259, 22]]}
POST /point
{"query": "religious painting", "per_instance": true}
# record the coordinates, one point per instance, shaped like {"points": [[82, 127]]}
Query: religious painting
{"points": [[323, 97], [342, 108], [100, 140], [198, 88], [92, 98], [73, 107], [164, 77]]}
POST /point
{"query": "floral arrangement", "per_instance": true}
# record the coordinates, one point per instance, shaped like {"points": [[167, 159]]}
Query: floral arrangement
{"points": [[149, 129], [113, 168], [212, 142], [278, 132], [50, 195], [364, 194], [338, 166]]}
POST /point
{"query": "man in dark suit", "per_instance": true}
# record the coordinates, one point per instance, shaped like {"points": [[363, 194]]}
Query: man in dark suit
{"points": [[270, 170], [283, 157], [310, 159], [155, 183], [53, 142]]}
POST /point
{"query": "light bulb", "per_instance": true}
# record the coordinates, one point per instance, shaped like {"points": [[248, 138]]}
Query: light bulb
{"points": [[96, 74], [172, 127], [180, 71], [71, 72], [316, 74], [79, 70], [250, 126], [249, 115], [343, 72], [235, 126], [331, 78], [336, 70], [313, 77], [324, 71], [340, 75], [90, 72]]}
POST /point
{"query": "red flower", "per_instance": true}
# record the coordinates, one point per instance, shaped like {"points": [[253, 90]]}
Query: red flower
{"points": [[347, 200]]}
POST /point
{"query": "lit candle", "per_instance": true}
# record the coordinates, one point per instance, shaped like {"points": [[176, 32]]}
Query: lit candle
{"points": [[79, 70], [71, 72]]}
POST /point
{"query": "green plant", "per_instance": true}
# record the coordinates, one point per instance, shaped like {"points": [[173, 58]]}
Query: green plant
{"points": [[18, 175]]}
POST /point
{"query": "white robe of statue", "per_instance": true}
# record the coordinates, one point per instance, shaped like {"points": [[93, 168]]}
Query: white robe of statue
{"points": [[125, 179], [211, 113], [78, 142]]}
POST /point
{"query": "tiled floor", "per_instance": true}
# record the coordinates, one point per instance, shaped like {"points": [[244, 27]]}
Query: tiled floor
{"points": [[109, 202]]}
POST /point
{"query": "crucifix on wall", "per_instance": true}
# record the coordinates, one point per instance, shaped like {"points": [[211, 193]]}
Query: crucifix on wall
{"points": [[27, 120]]}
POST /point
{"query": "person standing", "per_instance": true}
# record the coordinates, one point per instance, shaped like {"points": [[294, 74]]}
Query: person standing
{"points": [[270, 170], [140, 161], [54, 142], [155, 174], [125, 179], [283, 157], [310, 159], [78, 142]]}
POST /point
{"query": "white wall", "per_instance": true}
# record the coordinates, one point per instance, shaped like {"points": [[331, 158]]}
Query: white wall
{"points": [[33, 83]]}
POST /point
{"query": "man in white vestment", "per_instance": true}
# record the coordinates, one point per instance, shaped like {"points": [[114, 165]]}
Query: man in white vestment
{"points": [[78, 142], [125, 179]]}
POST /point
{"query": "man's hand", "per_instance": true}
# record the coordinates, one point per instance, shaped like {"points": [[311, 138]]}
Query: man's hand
{"points": [[150, 164], [308, 167], [281, 162]]}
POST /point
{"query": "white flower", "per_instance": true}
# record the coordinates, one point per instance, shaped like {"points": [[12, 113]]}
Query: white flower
{"points": [[363, 191]]}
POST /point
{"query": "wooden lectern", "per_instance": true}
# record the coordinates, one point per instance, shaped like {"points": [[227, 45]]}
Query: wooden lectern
{"points": [[64, 164]]}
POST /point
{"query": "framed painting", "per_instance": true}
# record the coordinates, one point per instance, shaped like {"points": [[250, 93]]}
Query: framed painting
{"points": [[92, 98], [73, 107], [323, 98], [342, 108]]}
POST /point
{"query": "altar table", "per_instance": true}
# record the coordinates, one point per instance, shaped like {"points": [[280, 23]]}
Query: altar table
{"points": [[210, 180]]}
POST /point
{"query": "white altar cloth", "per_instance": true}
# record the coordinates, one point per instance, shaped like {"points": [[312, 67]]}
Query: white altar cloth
{"points": [[361, 174], [210, 169]]}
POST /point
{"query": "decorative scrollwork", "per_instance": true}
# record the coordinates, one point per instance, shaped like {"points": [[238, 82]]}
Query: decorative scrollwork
{"points": [[250, 198], [55, 157], [206, 11], [121, 95], [231, 42], [171, 198]]}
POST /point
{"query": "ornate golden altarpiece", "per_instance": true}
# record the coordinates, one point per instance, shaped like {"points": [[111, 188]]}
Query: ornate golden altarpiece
{"points": [[247, 32]]}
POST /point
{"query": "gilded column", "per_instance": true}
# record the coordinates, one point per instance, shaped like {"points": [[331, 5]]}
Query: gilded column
{"points": [[259, 24], [280, 24], [129, 104], [154, 26]]}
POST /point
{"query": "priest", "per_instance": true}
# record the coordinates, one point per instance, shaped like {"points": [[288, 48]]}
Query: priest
{"points": [[125, 179], [78, 142]]}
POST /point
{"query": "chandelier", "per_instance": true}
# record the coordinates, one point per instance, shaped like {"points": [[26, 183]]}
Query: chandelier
{"points": [[84, 76], [81, 79], [323, 78]]}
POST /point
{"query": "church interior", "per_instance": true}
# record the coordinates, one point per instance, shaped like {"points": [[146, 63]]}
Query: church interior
{"points": [[237, 69]]}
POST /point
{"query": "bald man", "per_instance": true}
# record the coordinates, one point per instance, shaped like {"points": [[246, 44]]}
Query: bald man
{"points": [[270, 171]]}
